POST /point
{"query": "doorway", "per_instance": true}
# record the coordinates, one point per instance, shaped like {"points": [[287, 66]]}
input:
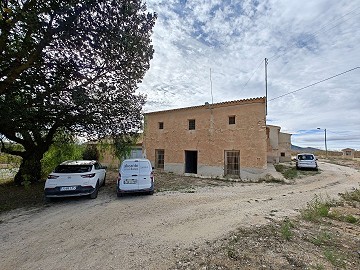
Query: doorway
{"points": [[191, 161]]}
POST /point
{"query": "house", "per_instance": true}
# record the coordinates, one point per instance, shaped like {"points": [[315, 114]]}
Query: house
{"points": [[278, 145], [348, 153], [226, 139]]}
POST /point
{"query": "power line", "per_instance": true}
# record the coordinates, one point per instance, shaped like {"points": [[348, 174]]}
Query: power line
{"points": [[315, 34], [243, 87], [302, 88]]}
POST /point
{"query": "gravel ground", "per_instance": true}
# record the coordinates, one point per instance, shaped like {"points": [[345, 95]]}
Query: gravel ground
{"points": [[151, 232]]}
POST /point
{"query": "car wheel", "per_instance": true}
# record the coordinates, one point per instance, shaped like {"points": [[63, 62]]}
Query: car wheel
{"points": [[151, 192], [103, 184], [120, 195], [96, 191]]}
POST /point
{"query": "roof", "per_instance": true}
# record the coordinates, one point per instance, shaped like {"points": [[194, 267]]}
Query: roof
{"points": [[218, 105], [348, 149]]}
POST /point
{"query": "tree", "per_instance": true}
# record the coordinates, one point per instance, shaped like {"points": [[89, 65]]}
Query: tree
{"points": [[91, 152], [70, 66]]}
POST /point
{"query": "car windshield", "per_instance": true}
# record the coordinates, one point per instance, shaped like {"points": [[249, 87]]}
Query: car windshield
{"points": [[73, 168], [305, 157]]}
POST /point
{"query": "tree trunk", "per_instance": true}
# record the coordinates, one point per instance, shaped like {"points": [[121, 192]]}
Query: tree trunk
{"points": [[30, 168]]}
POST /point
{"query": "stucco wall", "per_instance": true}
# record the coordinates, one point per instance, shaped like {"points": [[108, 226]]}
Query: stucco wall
{"points": [[285, 146], [211, 137]]}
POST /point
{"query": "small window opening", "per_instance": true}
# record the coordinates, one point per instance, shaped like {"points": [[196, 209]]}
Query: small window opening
{"points": [[232, 120], [191, 124], [161, 125]]}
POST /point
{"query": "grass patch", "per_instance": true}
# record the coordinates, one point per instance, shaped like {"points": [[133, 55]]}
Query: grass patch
{"points": [[334, 258], [322, 238], [285, 229], [290, 172], [286, 171], [352, 196], [316, 209]]}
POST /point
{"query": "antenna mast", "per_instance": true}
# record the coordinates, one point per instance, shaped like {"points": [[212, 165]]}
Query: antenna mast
{"points": [[212, 98], [266, 88]]}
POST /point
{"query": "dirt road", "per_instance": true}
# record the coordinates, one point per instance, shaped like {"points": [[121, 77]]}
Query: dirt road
{"points": [[141, 232]]}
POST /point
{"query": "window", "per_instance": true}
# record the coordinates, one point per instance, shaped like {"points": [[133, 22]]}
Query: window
{"points": [[191, 124], [232, 163], [282, 154], [161, 125], [232, 120], [159, 158]]}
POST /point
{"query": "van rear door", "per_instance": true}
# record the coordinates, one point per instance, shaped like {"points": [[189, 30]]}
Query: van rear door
{"points": [[130, 175], [145, 181]]}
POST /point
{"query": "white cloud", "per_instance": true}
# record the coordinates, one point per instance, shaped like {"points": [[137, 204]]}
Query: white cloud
{"points": [[305, 42]]}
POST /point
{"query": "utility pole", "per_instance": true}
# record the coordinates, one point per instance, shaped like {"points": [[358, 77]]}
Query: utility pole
{"points": [[326, 151], [266, 90], [326, 144]]}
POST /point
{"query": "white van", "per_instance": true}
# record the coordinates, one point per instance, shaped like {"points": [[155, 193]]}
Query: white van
{"points": [[135, 175]]}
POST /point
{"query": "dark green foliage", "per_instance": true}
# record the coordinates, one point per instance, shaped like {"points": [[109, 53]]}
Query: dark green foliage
{"points": [[91, 152], [64, 148], [71, 66]]}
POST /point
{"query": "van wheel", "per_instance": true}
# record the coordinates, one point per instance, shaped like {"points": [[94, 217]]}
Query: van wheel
{"points": [[151, 192], [120, 195], [96, 191]]}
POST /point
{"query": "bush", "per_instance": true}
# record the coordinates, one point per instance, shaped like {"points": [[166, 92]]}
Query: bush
{"points": [[58, 153], [91, 152], [316, 209]]}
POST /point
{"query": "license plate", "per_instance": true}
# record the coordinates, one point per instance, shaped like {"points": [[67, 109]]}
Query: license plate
{"points": [[67, 188], [130, 181]]}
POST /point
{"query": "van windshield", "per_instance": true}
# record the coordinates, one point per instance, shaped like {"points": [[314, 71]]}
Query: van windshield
{"points": [[305, 157]]}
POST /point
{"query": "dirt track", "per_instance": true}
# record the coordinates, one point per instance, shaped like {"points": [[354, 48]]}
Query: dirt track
{"points": [[141, 232]]}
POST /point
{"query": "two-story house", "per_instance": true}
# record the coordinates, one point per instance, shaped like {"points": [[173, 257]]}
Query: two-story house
{"points": [[226, 139]]}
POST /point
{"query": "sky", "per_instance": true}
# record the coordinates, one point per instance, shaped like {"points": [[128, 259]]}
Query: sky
{"points": [[214, 51]]}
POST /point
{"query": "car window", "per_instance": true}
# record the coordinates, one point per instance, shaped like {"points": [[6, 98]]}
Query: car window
{"points": [[97, 166], [73, 168], [305, 157]]}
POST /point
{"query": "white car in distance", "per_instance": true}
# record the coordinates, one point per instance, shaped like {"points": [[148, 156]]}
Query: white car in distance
{"points": [[306, 161], [75, 178]]}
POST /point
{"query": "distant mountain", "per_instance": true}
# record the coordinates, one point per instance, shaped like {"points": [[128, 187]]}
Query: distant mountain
{"points": [[304, 149]]}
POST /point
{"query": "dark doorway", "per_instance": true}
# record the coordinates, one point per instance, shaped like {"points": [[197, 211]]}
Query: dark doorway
{"points": [[191, 161]]}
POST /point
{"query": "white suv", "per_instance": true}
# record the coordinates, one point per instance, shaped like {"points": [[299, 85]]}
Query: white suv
{"points": [[75, 178], [306, 161]]}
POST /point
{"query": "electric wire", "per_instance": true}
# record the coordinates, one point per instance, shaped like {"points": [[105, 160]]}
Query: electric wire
{"points": [[256, 69], [302, 88], [315, 34]]}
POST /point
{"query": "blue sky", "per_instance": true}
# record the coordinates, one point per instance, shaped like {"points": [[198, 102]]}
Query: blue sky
{"points": [[305, 42]]}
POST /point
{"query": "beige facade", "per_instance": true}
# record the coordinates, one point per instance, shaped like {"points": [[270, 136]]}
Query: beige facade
{"points": [[222, 139], [348, 153], [278, 145]]}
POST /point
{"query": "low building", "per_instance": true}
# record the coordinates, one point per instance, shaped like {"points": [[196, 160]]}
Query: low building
{"points": [[348, 153], [278, 145], [226, 139]]}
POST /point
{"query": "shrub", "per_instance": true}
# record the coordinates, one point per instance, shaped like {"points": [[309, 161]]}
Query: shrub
{"points": [[286, 229], [316, 209], [91, 152]]}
